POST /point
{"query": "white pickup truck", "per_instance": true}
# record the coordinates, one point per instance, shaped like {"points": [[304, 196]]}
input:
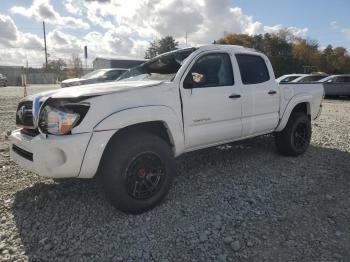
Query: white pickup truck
{"points": [[129, 131]]}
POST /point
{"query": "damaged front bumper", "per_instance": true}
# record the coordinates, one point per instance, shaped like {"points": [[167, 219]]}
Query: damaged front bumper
{"points": [[50, 156]]}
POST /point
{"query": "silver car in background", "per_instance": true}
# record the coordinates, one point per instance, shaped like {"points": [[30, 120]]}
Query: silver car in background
{"points": [[337, 85]]}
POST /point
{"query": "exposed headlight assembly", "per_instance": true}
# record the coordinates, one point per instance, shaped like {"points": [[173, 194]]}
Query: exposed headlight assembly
{"points": [[59, 117]]}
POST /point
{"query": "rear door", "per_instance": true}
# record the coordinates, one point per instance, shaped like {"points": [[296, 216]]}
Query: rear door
{"points": [[211, 109], [260, 95]]}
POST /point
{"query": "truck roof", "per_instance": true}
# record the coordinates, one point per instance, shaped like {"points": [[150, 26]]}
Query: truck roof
{"points": [[235, 48]]}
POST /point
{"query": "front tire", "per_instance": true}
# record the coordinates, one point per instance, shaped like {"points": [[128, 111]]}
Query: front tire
{"points": [[295, 138], [137, 171]]}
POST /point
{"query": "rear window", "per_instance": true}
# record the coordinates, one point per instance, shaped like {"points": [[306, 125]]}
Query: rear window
{"points": [[253, 69]]}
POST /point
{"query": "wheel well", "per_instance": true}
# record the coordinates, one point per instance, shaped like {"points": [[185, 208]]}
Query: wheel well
{"points": [[302, 107], [157, 128]]}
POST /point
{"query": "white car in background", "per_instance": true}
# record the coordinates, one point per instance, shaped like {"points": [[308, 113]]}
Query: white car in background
{"points": [[309, 78], [289, 78]]}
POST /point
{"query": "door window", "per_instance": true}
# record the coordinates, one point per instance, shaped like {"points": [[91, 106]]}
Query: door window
{"points": [[253, 69], [211, 70]]}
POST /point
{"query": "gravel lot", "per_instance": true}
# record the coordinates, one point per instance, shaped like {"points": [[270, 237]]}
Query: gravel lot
{"points": [[239, 202]]}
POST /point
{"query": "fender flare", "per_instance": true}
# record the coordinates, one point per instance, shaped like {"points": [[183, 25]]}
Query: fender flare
{"points": [[143, 114], [293, 102]]}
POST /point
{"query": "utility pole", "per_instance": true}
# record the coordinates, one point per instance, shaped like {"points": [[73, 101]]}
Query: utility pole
{"points": [[45, 44], [186, 38], [86, 56]]}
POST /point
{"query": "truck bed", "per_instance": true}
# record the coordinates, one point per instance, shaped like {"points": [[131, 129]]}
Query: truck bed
{"points": [[293, 91]]}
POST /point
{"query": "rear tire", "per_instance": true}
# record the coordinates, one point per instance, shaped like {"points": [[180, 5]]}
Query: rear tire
{"points": [[137, 171], [295, 138]]}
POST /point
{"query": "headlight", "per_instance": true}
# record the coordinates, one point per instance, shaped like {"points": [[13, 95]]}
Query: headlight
{"points": [[61, 118]]}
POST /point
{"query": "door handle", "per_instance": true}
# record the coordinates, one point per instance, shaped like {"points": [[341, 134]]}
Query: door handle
{"points": [[235, 96], [272, 92]]}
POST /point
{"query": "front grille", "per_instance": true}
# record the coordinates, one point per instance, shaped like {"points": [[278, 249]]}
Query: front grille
{"points": [[24, 115], [23, 153]]}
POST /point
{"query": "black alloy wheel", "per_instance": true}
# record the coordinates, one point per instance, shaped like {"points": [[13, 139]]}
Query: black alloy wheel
{"points": [[144, 176]]}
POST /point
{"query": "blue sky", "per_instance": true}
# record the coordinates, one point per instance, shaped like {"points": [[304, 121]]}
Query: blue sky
{"points": [[125, 28], [316, 16]]}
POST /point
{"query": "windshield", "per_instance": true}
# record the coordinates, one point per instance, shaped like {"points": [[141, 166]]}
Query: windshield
{"points": [[163, 67], [94, 74]]}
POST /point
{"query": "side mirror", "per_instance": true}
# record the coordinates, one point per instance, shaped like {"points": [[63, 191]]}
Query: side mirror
{"points": [[198, 78], [193, 79]]}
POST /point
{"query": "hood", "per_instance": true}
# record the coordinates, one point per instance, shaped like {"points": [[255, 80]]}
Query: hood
{"points": [[95, 89], [71, 80]]}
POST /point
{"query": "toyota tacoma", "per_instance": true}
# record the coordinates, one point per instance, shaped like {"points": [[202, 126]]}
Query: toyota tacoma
{"points": [[129, 132]]}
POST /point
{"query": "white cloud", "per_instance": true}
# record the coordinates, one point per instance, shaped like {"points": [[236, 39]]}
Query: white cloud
{"points": [[334, 24], [43, 10], [297, 32], [125, 28], [11, 37], [15, 46], [73, 6], [204, 21], [346, 31], [8, 30]]}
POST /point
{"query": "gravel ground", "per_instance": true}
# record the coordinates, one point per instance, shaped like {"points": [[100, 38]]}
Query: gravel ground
{"points": [[239, 202]]}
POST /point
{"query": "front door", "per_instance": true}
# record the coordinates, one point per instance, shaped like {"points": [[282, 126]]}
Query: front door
{"points": [[211, 101]]}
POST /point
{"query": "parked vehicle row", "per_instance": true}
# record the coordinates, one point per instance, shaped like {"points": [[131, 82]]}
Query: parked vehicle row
{"points": [[130, 131], [310, 78], [334, 85], [301, 78]]}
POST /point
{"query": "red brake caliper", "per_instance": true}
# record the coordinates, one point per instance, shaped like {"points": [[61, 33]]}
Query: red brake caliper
{"points": [[141, 172]]}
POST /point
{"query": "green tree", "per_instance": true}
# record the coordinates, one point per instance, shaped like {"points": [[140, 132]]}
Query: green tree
{"points": [[161, 46], [327, 60], [289, 54], [306, 52], [277, 48]]}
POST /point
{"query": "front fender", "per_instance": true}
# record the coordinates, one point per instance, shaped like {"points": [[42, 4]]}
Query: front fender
{"points": [[142, 114], [293, 102]]}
